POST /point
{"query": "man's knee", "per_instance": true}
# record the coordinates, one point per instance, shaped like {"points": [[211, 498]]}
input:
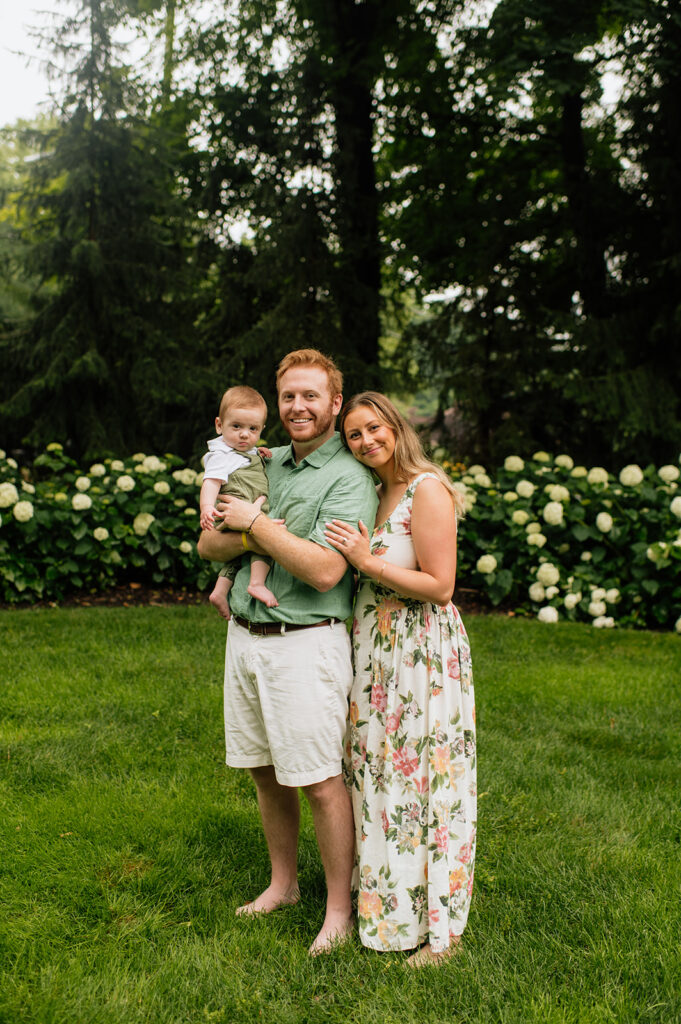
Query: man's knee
{"points": [[326, 792]]}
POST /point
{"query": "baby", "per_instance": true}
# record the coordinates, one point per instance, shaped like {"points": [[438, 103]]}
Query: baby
{"points": [[233, 466]]}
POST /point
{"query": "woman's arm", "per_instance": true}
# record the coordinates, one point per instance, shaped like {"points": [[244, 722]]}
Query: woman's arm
{"points": [[433, 529]]}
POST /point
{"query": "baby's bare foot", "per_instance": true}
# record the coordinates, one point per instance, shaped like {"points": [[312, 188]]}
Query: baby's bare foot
{"points": [[269, 900], [220, 602], [262, 593]]}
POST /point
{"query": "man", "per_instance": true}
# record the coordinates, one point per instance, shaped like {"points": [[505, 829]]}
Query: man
{"points": [[288, 670]]}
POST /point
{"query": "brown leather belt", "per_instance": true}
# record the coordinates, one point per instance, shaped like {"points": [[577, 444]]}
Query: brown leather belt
{"points": [[278, 628]]}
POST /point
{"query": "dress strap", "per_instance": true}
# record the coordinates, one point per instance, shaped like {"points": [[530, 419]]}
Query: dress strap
{"points": [[417, 480]]}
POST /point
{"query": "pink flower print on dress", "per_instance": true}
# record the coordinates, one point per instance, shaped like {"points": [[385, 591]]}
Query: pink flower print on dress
{"points": [[384, 822], [433, 915], [453, 666], [405, 760], [369, 904], [456, 880], [393, 720], [440, 760], [379, 698], [465, 852], [441, 837]]}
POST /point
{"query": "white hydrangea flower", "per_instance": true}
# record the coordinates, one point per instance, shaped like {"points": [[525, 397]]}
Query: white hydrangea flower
{"points": [[631, 476], [82, 483], [190, 512], [653, 553], [198, 480], [510, 496], [100, 533], [482, 480], [612, 595], [3, 453], [669, 473], [604, 522], [525, 488], [27, 488], [565, 461], [586, 556], [537, 540], [54, 446], [486, 564], [520, 516], [12, 463], [598, 593], [162, 487], [117, 466], [9, 495], [553, 513], [597, 608], [469, 500], [141, 468], [60, 496], [559, 493], [81, 502], [97, 469], [603, 622], [548, 614], [597, 475], [138, 457], [675, 506], [142, 522], [153, 464], [185, 476], [514, 464], [467, 479], [551, 592], [541, 457], [548, 574], [572, 600], [475, 469], [125, 483], [23, 511], [186, 548], [533, 528], [578, 472], [179, 502], [537, 592], [677, 625]]}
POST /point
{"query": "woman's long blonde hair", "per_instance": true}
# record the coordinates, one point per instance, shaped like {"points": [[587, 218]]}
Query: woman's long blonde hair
{"points": [[410, 458]]}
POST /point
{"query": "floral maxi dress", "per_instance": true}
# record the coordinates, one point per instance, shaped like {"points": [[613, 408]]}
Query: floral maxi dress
{"points": [[410, 758]]}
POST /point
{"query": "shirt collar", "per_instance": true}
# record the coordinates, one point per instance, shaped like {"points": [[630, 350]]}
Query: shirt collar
{"points": [[320, 456]]}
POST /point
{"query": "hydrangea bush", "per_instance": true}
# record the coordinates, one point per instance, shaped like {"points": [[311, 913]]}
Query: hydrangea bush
{"points": [[566, 542], [556, 540], [64, 529]]}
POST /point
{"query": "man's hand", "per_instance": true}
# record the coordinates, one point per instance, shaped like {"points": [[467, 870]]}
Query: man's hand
{"points": [[237, 513]]}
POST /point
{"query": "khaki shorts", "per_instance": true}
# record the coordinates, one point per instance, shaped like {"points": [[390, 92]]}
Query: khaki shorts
{"points": [[286, 701]]}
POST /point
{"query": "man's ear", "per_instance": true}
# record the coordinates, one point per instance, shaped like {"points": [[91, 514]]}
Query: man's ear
{"points": [[337, 404]]}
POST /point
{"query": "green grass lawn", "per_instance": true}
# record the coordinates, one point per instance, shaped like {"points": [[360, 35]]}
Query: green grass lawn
{"points": [[126, 844]]}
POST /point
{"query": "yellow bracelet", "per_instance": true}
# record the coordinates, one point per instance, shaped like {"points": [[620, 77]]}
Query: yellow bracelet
{"points": [[244, 540]]}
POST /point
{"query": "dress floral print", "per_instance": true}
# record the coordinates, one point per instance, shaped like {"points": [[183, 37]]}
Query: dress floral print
{"points": [[410, 758]]}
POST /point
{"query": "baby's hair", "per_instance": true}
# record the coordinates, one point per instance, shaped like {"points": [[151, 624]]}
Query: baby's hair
{"points": [[242, 397], [313, 357]]}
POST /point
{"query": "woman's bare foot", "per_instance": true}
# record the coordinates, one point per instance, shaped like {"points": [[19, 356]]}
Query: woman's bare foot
{"points": [[333, 933], [262, 593], [269, 900], [425, 956], [220, 602]]}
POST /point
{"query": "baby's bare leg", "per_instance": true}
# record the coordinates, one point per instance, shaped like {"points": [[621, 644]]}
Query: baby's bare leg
{"points": [[218, 598], [257, 588]]}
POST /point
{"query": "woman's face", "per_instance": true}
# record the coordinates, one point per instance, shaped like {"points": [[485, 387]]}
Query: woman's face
{"points": [[369, 439]]}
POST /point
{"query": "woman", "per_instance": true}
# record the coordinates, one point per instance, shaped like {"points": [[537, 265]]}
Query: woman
{"points": [[411, 740]]}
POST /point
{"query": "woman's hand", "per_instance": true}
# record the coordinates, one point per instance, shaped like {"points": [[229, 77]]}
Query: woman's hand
{"points": [[354, 544]]}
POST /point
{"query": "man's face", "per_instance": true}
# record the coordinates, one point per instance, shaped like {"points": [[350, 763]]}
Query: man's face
{"points": [[306, 407]]}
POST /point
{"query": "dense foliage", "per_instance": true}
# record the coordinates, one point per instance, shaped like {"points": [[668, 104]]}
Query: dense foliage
{"points": [[445, 195], [544, 536]]}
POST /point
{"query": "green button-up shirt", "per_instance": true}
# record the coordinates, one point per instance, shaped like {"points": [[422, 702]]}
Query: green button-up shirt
{"points": [[327, 484]]}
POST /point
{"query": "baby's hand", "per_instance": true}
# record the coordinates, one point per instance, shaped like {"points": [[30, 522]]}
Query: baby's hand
{"points": [[208, 514], [264, 451]]}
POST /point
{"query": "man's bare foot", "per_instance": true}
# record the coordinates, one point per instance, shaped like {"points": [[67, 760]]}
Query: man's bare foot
{"points": [[333, 933], [262, 593], [425, 956], [269, 900], [220, 602]]}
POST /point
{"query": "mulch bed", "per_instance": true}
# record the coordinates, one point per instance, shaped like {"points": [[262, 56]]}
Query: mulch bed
{"points": [[129, 595]]}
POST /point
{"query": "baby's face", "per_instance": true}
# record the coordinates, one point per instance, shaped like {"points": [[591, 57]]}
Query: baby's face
{"points": [[240, 428]]}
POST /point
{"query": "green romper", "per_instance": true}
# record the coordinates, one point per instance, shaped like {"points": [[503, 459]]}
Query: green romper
{"points": [[248, 482]]}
